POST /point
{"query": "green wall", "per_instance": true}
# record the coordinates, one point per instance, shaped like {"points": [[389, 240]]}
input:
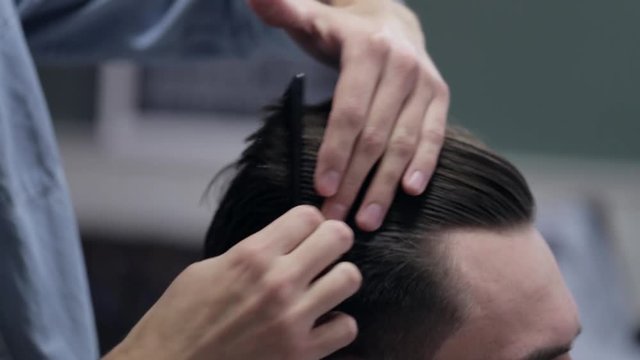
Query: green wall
{"points": [[557, 77]]}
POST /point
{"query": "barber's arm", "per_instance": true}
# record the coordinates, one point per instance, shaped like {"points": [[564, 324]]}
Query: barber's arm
{"points": [[390, 104], [97, 30]]}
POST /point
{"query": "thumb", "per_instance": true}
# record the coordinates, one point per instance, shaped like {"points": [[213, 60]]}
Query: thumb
{"points": [[287, 14]]}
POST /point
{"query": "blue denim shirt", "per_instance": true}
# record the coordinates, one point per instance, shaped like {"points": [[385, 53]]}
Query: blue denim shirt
{"points": [[45, 308]]}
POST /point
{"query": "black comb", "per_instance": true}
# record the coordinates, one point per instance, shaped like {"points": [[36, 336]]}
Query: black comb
{"points": [[293, 111]]}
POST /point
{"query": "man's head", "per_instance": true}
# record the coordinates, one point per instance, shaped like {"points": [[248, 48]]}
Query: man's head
{"points": [[456, 273]]}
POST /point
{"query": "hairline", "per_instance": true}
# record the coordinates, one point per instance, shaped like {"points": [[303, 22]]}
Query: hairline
{"points": [[451, 278]]}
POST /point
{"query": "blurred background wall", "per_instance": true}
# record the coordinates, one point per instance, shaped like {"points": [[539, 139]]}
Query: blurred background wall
{"points": [[543, 76], [552, 77], [552, 84]]}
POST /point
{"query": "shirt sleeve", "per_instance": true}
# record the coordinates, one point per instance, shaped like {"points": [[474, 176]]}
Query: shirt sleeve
{"points": [[45, 308], [153, 30]]}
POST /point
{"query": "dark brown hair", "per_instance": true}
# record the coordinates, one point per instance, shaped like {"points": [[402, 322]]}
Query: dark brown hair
{"points": [[409, 302]]}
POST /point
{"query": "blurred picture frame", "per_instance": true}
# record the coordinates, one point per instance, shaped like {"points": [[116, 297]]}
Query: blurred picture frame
{"points": [[194, 111]]}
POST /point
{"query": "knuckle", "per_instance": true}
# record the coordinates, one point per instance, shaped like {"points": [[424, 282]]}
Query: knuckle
{"points": [[405, 60], [309, 215], [351, 116], [251, 257], [340, 231], [403, 145], [424, 80], [278, 290], [373, 141], [434, 135], [379, 42]]}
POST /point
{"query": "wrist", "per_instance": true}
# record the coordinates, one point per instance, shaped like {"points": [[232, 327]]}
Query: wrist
{"points": [[133, 347], [393, 12], [120, 352], [408, 19]]}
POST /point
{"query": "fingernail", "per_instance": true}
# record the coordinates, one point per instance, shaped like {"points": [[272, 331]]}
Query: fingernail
{"points": [[336, 212], [371, 218], [329, 183], [416, 181]]}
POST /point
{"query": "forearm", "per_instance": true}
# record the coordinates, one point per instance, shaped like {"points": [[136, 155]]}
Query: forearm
{"points": [[97, 30]]}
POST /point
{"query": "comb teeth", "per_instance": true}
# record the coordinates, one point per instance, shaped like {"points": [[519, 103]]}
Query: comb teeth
{"points": [[307, 192], [294, 110]]}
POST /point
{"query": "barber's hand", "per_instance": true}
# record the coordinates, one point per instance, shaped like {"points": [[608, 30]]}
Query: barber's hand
{"points": [[260, 300], [390, 104]]}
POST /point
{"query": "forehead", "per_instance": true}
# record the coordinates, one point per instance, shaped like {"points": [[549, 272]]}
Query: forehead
{"points": [[517, 299]]}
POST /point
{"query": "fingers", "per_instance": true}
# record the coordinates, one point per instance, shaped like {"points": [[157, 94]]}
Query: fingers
{"points": [[323, 247], [342, 281], [432, 136], [291, 15], [361, 68], [333, 335], [397, 81], [287, 232], [401, 148], [336, 330]]}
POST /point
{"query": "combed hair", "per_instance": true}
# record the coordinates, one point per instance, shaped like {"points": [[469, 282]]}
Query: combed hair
{"points": [[409, 302]]}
